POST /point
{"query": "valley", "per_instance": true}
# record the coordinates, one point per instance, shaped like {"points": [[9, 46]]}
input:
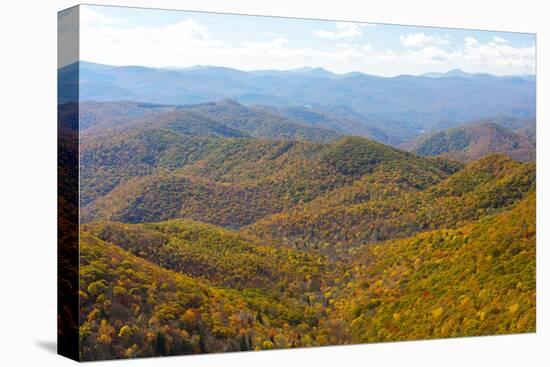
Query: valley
{"points": [[222, 227]]}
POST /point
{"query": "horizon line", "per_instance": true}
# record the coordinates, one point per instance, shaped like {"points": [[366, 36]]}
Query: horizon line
{"points": [[175, 68]]}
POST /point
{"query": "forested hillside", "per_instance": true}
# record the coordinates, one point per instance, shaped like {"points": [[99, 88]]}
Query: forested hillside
{"points": [[477, 140], [474, 280], [336, 222], [134, 308], [339, 119], [239, 181], [154, 289], [115, 149], [219, 227]]}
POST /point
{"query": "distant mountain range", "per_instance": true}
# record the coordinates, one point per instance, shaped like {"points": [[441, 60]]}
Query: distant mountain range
{"points": [[457, 73], [399, 108]]}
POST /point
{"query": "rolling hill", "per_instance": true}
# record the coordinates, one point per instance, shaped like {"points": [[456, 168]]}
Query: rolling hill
{"points": [[214, 254], [102, 115], [114, 150], [261, 124], [132, 307], [406, 104], [474, 141], [218, 226], [474, 280], [154, 289], [223, 118], [368, 212], [340, 120], [234, 182]]}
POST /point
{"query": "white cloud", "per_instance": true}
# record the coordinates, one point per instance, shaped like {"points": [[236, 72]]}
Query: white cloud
{"points": [[474, 56], [343, 30], [280, 53], [153, 46], [422, 40], [278, 48], [90, 17], [491, 57], [189, 42], [499, 40], [470, 42], [429, 55], [498, 55]]}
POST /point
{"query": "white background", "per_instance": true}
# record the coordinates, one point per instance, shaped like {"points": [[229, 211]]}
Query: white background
{"points": [[28, 182]]}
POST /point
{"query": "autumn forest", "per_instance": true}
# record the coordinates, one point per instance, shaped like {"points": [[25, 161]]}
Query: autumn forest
{"points": [[221, 227], [289, 183]]}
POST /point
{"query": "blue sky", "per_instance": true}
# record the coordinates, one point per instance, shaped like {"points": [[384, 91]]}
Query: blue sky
{"points": [[159, 38]]}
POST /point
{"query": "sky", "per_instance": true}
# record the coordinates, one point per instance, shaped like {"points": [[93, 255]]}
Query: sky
{"points": [[170, 38]]}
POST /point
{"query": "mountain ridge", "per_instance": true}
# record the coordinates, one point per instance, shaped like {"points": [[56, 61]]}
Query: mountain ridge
{"points": [[469, 142], [447, 101]]}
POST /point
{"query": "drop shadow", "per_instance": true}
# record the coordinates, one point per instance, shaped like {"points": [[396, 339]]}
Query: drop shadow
{"points": [[48, 345]]}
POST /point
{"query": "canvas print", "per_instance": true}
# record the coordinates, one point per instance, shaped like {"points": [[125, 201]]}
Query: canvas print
{"points": [[239, 183]]}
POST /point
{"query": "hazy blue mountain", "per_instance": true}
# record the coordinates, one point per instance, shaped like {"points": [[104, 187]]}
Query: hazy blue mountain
{"points": [[345, 122], [455, 73], [529, 77], [407, 104], [101, 115]]}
